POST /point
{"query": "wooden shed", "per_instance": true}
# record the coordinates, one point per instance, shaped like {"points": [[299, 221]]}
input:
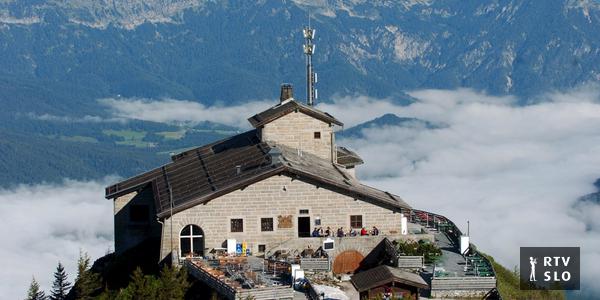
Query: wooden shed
{"points": [[385, 281]]}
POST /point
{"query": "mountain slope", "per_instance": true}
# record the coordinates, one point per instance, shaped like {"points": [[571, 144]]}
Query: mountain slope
{"points": [[387, 120], [233, 51], [59, 57]]}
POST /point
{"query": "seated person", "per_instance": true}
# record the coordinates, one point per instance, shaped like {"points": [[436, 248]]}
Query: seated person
{"points": [[315, 232], [321, 231], [352, 232], [375, 231], [340, 232], [328, 231], [363, 231]]}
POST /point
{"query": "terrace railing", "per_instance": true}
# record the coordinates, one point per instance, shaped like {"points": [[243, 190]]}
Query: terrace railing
{"points": [[228, 291], [221, 287], [446, 226]]}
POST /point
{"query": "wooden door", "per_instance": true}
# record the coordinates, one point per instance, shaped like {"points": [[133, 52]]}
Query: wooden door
{"points": [[347, 262], [303, 226]]}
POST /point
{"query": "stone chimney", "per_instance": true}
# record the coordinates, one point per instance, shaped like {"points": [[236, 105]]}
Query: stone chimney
{"points": [[286, 92]]}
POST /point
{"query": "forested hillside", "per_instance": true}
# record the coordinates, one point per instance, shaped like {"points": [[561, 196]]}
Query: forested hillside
{"points": [[58, 58]]}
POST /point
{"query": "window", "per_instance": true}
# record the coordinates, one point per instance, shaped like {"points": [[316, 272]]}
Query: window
{"points": [[237, 225], [266, 224], [138, 213], [191, 241], [317, 134], [356, 222], [304, 211], [262, 248]]}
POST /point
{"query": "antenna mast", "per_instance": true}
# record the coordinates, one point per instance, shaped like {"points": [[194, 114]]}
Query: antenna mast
{"points": [[311, 77]]}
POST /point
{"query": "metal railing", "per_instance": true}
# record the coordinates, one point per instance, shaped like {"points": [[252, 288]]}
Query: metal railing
{"points": [[211, 280], [446, 226]]}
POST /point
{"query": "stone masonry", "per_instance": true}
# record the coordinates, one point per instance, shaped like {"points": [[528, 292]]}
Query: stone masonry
{"points": [[128, 233], [270, 198], [297, 131]]}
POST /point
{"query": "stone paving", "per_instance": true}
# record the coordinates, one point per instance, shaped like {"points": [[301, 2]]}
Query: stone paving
{"points": [[452, 261]]}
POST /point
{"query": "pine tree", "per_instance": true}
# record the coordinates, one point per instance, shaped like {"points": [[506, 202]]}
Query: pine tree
{"points": [[61, 286], [173, 283], [141, 287], [83, 264], [34, 292], [88, 283]]}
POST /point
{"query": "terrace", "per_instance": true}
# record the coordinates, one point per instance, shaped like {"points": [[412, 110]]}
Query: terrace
{"points": [[454, 274], [295, 246], [243, 277], [450, 275]]}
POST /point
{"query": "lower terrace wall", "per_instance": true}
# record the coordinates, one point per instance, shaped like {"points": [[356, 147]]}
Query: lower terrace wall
{"points": [[461, 287], [280, 198], [411, 262]]}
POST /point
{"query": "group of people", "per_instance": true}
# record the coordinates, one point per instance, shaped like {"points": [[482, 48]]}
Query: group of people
{"points": [[319, 232]]}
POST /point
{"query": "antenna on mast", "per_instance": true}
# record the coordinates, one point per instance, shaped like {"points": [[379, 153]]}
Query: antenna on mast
{"points": [[311, 77]]}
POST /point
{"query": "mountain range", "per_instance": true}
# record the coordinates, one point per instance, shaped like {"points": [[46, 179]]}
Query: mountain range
{"points": [[59, 57]]}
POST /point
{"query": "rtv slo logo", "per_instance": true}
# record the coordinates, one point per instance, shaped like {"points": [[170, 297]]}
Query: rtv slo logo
{"points": [[556, 261], [558, 268]]}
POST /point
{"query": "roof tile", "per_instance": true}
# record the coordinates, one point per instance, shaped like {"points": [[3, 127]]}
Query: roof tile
{"points": [[202, 174]]}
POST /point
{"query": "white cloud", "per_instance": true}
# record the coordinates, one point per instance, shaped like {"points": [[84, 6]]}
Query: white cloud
{"points": [[514, 171], [44, 224], [434, 105], [183, 111], [68, 119]]}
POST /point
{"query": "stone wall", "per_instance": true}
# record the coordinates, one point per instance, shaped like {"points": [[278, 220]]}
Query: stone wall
{"points": [[297, 130], [461, 287], [129, 233], [271, 198]]}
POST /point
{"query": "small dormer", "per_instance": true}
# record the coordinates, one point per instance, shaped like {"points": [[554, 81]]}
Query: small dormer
{"points": [[298, 126], [348, 159]]}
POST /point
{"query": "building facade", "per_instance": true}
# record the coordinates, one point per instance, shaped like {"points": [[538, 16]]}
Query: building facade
{"points": [[263, 187]]}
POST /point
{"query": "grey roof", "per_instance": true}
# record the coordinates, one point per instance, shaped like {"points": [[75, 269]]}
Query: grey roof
{"points": [[385, 253], [287, 107], [383, 274], [199, 175], [347, 157], [311, 166]]}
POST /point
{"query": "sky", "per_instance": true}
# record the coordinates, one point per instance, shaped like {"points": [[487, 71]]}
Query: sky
{"points": [[514, 172]]}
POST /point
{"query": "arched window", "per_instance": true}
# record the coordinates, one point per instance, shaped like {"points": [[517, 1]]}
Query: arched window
{"points": [[191, 241]]}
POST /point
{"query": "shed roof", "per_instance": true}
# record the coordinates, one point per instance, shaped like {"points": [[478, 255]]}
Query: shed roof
{"points": [[383, 274], [199, 175], [385, 253], [347, 157], [287, 107]]}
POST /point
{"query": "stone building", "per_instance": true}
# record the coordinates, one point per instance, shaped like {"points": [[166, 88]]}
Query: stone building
{"points": [[272, 184]]}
